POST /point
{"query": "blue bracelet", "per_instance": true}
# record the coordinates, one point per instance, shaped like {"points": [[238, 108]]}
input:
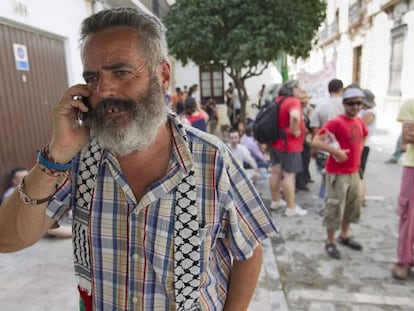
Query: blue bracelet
{"points": [[51, 165]]}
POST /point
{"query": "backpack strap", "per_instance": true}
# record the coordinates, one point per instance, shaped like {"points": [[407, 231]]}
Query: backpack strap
{"points": [[282, 130]]}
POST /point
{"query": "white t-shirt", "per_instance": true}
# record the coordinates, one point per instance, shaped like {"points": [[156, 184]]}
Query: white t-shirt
{"points": [[236, 99], [242, 154], [372, 125], [325, 111]]}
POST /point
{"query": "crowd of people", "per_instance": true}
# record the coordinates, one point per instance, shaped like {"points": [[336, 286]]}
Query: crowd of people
{"points": [[202, 116], [336, 134], [165, 209]]}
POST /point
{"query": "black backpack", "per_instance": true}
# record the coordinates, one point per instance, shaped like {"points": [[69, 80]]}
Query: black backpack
{"points": [[265, 125]]}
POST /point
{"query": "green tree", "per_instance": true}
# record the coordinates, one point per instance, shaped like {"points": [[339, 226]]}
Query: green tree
{"points": [[242, 37]]}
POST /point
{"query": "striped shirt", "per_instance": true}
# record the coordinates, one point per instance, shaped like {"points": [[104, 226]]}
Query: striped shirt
{"points": [[132, 243]]}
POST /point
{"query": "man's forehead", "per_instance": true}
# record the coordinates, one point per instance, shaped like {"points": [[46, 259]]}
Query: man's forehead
{"points": [[100, 53], [116, 40]]}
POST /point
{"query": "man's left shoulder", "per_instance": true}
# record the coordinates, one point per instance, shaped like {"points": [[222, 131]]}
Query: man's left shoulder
{"points": [[208, 140]]}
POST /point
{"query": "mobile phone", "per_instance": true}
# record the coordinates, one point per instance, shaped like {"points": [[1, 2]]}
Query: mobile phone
{"points": [[85, 115]]}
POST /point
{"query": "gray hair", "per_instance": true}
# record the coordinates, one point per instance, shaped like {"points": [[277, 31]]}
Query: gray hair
{"points": [[287, 88], [149, 29]]}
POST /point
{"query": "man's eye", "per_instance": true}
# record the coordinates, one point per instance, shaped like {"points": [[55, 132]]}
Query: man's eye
{"points": [[121, 73], [91, 79]]}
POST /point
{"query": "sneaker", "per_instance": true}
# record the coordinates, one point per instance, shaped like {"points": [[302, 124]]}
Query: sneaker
{"points": [[297, 211], [277, 204]]}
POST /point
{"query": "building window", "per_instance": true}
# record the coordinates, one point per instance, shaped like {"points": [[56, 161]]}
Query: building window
{"points": [[396, 63], [355, 12], [356, 72], [211, 84]]}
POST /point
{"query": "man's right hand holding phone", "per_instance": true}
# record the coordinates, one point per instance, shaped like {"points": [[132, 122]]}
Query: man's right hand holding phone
{"points": [[69, 134]]}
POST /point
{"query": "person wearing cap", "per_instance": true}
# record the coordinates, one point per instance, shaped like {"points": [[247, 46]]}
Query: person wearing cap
{"points": [[405, 207], [369, 116], [343, 138], [325, 111]]}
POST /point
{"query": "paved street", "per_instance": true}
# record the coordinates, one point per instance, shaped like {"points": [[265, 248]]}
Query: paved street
{"points": [[297, 274], [307, 279]]}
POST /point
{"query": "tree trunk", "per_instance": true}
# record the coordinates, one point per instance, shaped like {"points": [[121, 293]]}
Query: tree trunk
{"points": [[240, 86]]}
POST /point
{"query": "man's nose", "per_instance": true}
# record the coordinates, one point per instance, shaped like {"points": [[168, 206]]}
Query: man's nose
{"points": [[106, 86]]}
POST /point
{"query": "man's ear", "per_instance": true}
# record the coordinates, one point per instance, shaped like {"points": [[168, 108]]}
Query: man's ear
{"points": [[165, 76]]}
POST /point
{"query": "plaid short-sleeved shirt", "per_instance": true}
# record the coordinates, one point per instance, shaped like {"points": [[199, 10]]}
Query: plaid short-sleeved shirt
{"points": [[132, 245]]}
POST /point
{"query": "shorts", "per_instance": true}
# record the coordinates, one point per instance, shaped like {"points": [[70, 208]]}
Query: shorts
{"points": [[343, 200], [291, 162]]}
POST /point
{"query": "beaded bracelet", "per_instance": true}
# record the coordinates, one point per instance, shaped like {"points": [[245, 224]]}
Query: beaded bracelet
{"points": [[49, 166], [52, 173], [24, 197]]}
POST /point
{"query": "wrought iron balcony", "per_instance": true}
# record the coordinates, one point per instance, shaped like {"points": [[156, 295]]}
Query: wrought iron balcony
{"points": [[328, 32], [355, 13]]}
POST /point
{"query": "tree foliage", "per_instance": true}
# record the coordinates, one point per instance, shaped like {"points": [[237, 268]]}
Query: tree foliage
{"points": [[242, 36]]}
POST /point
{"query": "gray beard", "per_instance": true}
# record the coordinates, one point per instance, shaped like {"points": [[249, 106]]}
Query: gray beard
{"points": [[146, 118]]}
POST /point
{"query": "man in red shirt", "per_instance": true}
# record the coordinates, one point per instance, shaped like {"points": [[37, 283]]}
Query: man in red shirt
{"points": [[286, 152], [343, 137]]}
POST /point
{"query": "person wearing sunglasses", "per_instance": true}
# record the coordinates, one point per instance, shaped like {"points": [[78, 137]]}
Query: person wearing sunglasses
{"points": [[343, 138]]}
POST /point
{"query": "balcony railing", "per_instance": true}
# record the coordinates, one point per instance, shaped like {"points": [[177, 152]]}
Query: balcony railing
{"points": [[355, 13], [388, 5], [385, 3], [328, 32]]}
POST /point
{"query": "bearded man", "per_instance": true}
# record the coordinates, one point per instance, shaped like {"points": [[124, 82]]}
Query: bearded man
{"points": [[164, 218]]}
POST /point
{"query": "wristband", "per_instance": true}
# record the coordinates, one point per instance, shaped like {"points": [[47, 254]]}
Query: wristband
{"points": [[45, 161]]}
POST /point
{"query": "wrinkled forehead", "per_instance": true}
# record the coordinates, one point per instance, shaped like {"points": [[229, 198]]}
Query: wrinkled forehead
{"points": [[112, 40]]}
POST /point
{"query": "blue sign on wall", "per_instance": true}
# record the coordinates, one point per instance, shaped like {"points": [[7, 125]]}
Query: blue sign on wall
{"points": [[20, 57]]}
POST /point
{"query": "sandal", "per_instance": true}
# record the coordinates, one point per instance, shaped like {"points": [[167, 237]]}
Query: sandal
{"points": [[332, 251], [349, 242], [400, 272]]}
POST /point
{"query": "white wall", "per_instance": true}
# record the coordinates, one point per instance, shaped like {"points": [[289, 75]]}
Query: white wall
{"points": [[253, 85], [56, 17], [408, 69], [185, 75]]}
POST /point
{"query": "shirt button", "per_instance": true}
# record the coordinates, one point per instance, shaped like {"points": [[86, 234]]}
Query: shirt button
{"points": [[135, 256], [134, 299]]}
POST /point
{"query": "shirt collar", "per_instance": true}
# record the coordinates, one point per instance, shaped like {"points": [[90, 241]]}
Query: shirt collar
{"points": [[181, 145]]}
